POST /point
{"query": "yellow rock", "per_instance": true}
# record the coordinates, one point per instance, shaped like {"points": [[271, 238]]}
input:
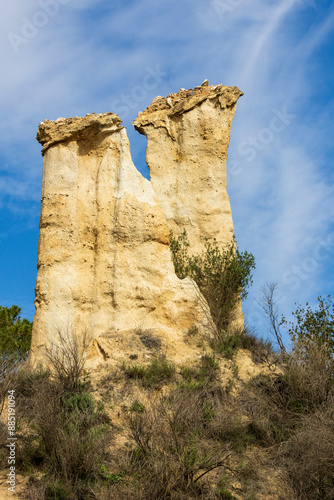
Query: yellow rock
{"points": [[188, 135], [104, 264]]}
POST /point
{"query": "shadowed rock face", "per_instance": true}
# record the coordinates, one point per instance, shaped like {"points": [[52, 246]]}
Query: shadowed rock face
{"points": [[188, 135], [104, 264]]}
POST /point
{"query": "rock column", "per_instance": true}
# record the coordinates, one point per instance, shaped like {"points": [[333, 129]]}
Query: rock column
{"points": [[104, 264], [188, 135]]}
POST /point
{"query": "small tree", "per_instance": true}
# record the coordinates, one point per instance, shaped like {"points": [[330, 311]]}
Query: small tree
{"points": [[222, 275], [314, 327], [15, 338], [67, 357], [271, 311], [310, 364]]}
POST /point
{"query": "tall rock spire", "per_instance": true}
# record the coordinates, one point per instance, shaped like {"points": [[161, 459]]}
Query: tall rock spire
{"points": [[188, 135]]}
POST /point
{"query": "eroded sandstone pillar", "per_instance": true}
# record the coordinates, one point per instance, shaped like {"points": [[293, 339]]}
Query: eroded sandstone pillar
{"points": [[104, 263], [188, 135]]}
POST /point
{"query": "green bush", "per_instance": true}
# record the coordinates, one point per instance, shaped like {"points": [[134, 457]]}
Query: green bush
{"points": [[307, 381], [175, 447], [58, 491], [314, 327], [308, 455], [156, 372], [111, 478], [138, 407], [67, 433], [61, 429], [309, 374], [222, 275], [15, 338], [200, 375], [227, 343]]}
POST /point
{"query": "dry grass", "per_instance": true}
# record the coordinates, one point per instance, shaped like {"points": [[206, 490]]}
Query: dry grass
{"points": [[183, 435], [309, 457]]}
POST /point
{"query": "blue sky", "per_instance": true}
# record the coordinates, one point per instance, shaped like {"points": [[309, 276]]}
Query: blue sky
{"points": [[72, 57]]}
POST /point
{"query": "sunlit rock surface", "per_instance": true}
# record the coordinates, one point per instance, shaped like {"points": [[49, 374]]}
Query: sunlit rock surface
{"points": [[104, 263]]}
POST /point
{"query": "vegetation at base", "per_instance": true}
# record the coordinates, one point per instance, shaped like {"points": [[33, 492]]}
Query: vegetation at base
{"points": [[200, 439], [200, 375], [65, 433], [138, 407], [314, 327], [61, 430], [175, 444], [194, 437], [227, 344]]}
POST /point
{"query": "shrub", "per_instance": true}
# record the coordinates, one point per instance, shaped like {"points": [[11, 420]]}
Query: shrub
{"points": [[66, 432], [305, 384], [227, 343], [156, 372], [3, 444], [67, 358], [280, 403], [61, 427], [201, 375], [222, 275], [314, 326], [174, 450], [138, 407], [309, 375], [111, 478], [308, 455], [15, 340], [266, 402]]}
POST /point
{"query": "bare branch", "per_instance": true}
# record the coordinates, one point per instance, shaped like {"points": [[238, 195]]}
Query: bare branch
{"points": [[269, 307], [68, 357]]}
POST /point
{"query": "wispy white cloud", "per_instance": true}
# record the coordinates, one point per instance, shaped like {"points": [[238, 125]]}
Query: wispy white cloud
{"points": [[275, 17]]}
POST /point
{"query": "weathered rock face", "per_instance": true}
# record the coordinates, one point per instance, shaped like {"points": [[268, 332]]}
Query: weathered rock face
{"points": [[188, 135], [104, 263]]}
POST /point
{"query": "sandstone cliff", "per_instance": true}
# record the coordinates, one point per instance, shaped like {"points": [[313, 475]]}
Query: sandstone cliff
{"points": [[104, 264], [188, 135]]}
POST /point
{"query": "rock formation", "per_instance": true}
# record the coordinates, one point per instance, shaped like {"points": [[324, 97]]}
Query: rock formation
{"points": [[188, 135], [104, 264]]}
